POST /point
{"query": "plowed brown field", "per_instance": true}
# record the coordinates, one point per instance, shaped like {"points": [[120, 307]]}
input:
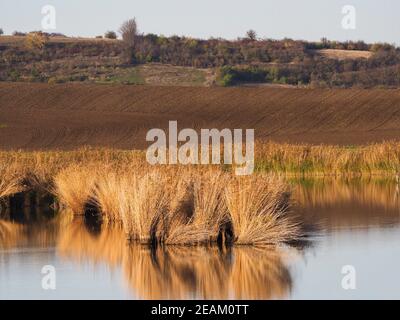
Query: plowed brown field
{"points": [[41, 116]]}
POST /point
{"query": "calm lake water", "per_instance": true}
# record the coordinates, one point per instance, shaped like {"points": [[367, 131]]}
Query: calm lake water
{"points": [[352, 223]]}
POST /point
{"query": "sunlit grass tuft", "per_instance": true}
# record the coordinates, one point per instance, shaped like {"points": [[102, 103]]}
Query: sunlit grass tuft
{"points": [[258, 208]]}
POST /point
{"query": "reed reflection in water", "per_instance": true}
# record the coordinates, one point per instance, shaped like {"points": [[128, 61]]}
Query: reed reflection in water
{"points": [[173, 272], [349, 203], [177, 272]]}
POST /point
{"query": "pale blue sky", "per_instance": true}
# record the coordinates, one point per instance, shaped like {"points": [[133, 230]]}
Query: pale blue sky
{"points": [[377, 20]]}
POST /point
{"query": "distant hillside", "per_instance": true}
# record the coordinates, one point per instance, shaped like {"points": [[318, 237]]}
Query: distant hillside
{"points": [[244, 61]]}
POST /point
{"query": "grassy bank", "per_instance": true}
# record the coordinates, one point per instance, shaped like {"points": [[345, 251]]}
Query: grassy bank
{"points": [[325, 160], [20, 170]]}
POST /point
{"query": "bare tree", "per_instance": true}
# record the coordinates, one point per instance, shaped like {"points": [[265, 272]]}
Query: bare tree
{"points": [[1, 31], [252, 35], [129, 32]]}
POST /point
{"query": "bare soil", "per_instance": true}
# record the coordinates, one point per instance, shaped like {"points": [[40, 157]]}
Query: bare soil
{"points": [[66, 116]]}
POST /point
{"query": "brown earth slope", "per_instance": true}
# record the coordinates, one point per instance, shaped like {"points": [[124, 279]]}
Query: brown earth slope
{"points": [[42, 116]]}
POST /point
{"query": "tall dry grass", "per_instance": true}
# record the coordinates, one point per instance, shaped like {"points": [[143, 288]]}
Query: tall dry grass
{"points": [[74, 186], [145, 205], [178, 205], [374, 159], [258, 208], [200, 211], [187, 204], [10, 180], [19, 170], [36, 170], [107, 193]]}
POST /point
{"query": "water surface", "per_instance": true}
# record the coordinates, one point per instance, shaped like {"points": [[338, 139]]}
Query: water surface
{"points": [[351, 222]]}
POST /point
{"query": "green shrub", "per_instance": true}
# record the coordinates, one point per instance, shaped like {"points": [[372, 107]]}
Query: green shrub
{"points": [[228, 76], [14, 75], [110, 35]]}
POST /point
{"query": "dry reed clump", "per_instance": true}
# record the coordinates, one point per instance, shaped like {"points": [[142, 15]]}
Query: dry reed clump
{"points": [[258, 208], [37, 170], [181, 206], [197, 206], [41, 168], [143, 206], [199, 211], [74, 186], [120, 194], [108, 195], [112, 187], [10, 180], [172, 204], [169, 205]]}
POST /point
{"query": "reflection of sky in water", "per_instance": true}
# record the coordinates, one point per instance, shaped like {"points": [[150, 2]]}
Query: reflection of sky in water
{"points": [[361, 229], [20, 277], [374, 253]]}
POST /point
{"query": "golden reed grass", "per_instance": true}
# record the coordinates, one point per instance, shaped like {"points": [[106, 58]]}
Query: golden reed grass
{"points": [[74, 187], [182, 205], [10, 180], [198, 212], [187, 205], [258, 208], [382, 158], [20, 169]]}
